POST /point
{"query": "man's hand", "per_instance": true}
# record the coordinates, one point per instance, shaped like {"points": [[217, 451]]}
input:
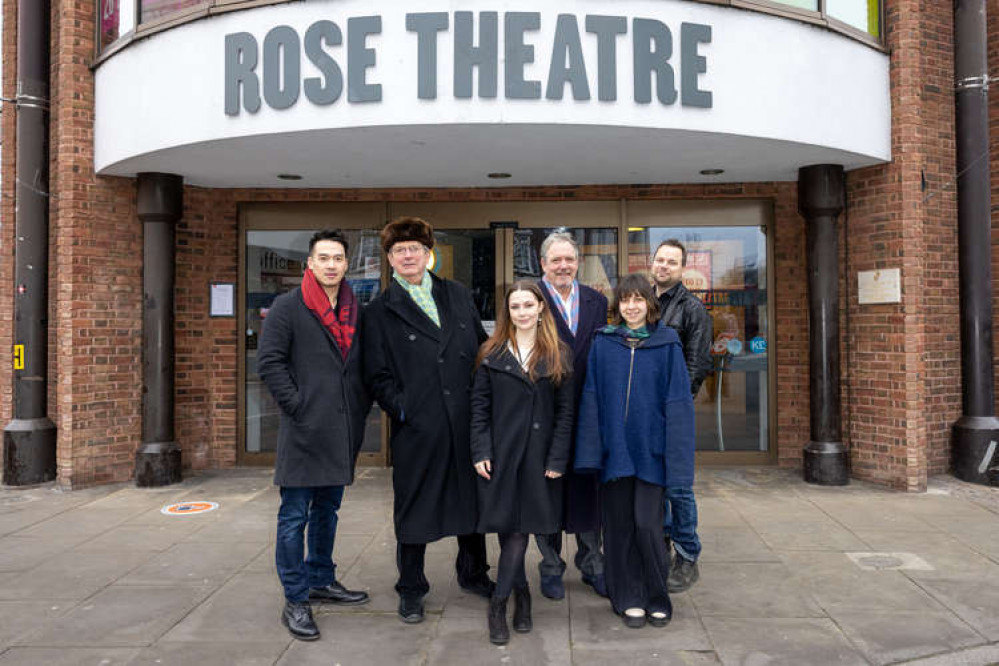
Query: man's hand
{"points": [[552, 474]]}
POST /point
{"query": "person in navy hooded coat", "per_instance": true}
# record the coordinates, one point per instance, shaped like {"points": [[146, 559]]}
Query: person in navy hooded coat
{"points": [[636, 428]]}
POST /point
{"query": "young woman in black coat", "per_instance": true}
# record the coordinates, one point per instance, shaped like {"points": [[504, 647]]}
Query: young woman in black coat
{"points": [[522, 416]]}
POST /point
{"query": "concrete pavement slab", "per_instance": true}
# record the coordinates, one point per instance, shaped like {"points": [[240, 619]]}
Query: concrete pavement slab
{"points": [[781, 641], [838, 584], [210, 654], [751, 590], [247, 608], [595, 627], [29, 656], [20, 619], [890, 637], [23, 553], [73, 575], [198, 564], [120, 616], [974, 600], [734, 544], [365, 638]]}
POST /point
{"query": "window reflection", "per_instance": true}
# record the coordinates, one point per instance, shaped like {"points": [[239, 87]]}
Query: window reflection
{"points": [[150, 10], [726, 269], [597, 255]]}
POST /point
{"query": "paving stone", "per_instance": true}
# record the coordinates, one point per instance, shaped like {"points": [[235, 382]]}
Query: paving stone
{"points": [[890, 637], [750, 590], [839, 585], [73, 656], [734, 544], [22, 553], [212, 654], [974, 599], [643, 657], [20, 619], [745, 641], [365, 638], [73, 575], [129, 536], [198, 564], [247, 608], [120, 616], [595, 626]]}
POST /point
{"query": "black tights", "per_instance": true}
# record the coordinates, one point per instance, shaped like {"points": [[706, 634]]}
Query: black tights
{"points": [[511, 574]]}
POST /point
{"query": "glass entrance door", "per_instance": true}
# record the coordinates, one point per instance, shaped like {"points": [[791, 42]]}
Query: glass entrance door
{"points": [[274, 264]]}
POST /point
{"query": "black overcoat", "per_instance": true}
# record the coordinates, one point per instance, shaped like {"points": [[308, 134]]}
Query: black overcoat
{"points": [[523, 428], [322, 397], [421, 375], [582, 490]]}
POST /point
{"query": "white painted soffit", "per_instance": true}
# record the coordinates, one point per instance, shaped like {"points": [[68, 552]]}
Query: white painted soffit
{"points": [[784, 95]]}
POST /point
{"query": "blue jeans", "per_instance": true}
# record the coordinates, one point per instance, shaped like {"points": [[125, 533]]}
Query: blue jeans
{"points": [[315, 507], [680, 521]]}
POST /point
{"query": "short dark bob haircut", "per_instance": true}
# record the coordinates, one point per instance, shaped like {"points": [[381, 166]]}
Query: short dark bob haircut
{"points": [[635, 284], [330, 235]]}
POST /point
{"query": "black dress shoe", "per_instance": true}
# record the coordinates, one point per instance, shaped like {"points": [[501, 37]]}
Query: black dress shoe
{"points": [[335, 593], [297, 616], [411, 609], [481, 586]]}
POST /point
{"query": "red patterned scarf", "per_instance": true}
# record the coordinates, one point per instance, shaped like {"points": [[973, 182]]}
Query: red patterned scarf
{"points": [[342, 320]]}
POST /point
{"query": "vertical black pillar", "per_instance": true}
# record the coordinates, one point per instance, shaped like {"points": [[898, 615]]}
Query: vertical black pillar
{"points": [[29, 440], [821, 199], [160, 205], [975, 434]]}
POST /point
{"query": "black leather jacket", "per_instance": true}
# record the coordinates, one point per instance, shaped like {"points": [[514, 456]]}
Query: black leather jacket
{"points": [[692, 323]]}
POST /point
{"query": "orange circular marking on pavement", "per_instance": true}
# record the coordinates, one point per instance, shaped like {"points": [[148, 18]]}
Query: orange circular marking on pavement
{"points": [[188, 508]]}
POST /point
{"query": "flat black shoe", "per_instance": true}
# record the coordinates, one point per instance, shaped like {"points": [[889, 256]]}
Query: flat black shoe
{"points": [[297, 616], [522, 622], [411, 609], [481, 586], [499, 632], [634, 621], [335, 593], [658, 618]]}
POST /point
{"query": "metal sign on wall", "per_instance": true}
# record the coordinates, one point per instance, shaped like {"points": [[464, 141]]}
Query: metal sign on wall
{"points": [[273, 71]]}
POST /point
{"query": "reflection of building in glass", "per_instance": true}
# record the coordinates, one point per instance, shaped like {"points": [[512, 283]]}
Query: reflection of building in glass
{"points": [[525, 258]]}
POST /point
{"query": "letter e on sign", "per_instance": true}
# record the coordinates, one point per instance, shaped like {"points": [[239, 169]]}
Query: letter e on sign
{"points": [[19, 357]]}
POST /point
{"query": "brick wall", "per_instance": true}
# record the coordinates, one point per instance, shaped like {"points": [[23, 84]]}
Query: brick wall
{"points": [[903, 388]]}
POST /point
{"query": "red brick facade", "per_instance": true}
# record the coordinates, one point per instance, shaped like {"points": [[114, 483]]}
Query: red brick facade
{"points": [[901, 370]]}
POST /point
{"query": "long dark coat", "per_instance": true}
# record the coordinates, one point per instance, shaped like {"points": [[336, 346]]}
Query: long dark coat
{"points": [[524, 428], [582, 491], [322, 398], [421, 375]]}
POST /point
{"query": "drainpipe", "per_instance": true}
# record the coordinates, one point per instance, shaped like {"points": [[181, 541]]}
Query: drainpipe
{"points": [[975, 434], [821, 199], [160, 205], [29, 440]]}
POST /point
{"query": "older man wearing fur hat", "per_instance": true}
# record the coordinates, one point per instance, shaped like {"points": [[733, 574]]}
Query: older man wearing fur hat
{"points": [[421, 336]]}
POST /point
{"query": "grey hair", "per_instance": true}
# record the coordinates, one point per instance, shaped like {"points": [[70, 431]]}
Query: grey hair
{"points": [[558, 237]]}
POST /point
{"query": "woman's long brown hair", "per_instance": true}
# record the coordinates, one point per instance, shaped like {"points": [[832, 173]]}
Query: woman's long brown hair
{"points": [[549, 352]]}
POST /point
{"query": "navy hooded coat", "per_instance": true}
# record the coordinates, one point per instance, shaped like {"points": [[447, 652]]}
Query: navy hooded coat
{"points": [[636, 416]]}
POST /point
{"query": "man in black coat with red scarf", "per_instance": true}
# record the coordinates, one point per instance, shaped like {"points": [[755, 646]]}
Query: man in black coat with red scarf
{"points": [[580, 312], [310, 362], [421, 336]]}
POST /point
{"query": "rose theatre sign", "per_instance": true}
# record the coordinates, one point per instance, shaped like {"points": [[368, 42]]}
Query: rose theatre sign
{"points": [[666, 63]]}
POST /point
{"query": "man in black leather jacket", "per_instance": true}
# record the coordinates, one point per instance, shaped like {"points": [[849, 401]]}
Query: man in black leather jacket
{"points": [[685, 313]]}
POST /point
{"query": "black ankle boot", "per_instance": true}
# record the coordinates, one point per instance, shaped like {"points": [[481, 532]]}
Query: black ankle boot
{"points": [[499, 633], [522, 610]]}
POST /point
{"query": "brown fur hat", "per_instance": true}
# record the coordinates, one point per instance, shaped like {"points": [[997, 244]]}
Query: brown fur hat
{"points": [[403, 229]]}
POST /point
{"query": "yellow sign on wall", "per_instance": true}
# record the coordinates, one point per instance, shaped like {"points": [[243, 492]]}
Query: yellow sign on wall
{"points": [[19, 357]]}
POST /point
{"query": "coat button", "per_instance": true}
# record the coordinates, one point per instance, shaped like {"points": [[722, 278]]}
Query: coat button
{"points": [[440, 360], [462, 325], [447, 392], [507, 367], [412, 337], [536, 426]]}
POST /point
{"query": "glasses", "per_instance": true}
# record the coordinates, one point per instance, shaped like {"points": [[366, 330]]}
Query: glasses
{"points": [[399, 250]]}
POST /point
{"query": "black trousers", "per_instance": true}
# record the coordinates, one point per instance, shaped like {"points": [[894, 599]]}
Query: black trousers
{"points": [[470, 564], [635, 561]]}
